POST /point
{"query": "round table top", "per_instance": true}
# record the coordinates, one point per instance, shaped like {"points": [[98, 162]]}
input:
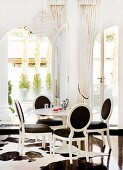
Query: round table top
{"points": [[51, 112]]}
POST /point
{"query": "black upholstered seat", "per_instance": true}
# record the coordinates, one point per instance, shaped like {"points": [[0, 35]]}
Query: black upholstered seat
{"points": [[39, 103], [34, 128], [66, 132], [103, 125], [50, 122], [97, 125]]}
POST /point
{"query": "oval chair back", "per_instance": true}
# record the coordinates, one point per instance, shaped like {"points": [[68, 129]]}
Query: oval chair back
{"points": [[106, 110], [79, 117], [19, 112], [40, 101]]}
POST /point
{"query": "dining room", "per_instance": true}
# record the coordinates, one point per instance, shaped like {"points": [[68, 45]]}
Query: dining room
{"points": [[69, 52]]}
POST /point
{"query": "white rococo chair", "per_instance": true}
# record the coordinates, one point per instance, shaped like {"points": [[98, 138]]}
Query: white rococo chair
{"points": [[103, 125], [79, 118], [39, 103], [31, 130]]}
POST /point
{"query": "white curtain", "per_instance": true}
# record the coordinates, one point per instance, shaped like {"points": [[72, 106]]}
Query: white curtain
{"points": [[57, 10], [58, 14], [86, 43]]}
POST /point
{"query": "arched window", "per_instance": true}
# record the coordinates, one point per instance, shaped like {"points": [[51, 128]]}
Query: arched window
{"points": [[29, 64]]}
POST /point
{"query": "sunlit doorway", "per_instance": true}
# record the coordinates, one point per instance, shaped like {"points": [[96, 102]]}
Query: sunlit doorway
{"points": [[105, 71]]}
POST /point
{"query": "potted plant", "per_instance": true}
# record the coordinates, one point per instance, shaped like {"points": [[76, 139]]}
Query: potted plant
{"points": [[9, 96], [48, 81], [37, 83], [24, 85]]}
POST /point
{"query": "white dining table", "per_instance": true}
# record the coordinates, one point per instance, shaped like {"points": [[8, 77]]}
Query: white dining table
{"points": [[49, 112]]}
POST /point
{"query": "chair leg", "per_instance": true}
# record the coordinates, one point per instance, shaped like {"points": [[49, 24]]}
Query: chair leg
{"points": [[22, 144], [79, 145], [50, 139], [86, 148], [70, 151], [102, 134], [108, 138], [43, 141], [20, 141], [36, 139], [54, 140]]}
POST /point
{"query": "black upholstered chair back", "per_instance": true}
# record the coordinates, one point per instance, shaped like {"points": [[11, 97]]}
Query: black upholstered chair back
{"points": [[41, 101], [80, 117], [106, 109], [19, 111]]}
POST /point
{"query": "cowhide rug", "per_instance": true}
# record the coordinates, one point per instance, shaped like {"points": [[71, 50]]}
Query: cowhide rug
{"points": [[38, 158]]}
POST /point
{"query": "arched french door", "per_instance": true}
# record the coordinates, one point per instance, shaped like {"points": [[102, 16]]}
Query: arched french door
{"points": [[105, 71]]}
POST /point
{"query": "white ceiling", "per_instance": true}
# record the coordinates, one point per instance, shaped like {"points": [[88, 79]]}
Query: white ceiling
{"points": [[15, 13]]}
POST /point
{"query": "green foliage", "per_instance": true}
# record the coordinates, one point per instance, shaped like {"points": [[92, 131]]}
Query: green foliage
{"points": [[9, 93], [37, 83], [9, 96], [48, 81], [110, 37], [24, 82]]}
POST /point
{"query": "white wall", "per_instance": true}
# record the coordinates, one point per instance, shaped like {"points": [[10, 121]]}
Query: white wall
{"points": [[17, 13], [4, 108], [110, 12]]}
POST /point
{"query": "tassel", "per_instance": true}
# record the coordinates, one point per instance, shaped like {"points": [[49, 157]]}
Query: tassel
{"points": [[88, 2]]}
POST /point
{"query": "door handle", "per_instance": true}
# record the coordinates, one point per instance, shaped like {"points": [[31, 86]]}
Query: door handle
{"points": [[101, 79]]}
